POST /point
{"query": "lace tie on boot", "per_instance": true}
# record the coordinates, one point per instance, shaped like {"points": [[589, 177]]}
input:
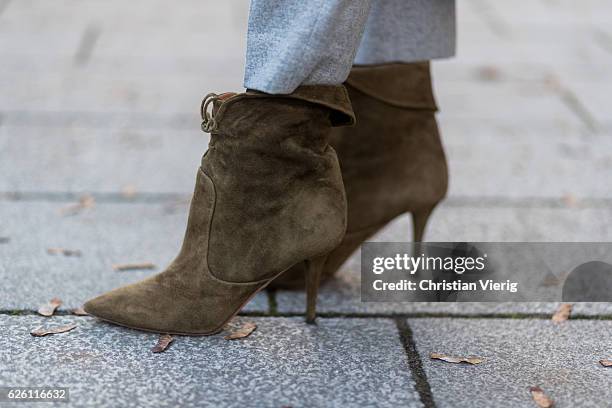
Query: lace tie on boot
{"points": [[209, 124]]}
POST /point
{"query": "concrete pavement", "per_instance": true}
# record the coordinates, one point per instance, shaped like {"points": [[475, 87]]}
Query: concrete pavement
{"points": [[102, 98]]}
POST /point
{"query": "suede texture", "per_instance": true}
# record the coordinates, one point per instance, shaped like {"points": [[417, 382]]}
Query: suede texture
{"points": [[392, 161], [185, 298], [268, 195]]}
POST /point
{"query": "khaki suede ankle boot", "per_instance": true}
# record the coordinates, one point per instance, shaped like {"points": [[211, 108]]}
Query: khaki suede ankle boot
{"points": [[268, 195], [392, 161]]}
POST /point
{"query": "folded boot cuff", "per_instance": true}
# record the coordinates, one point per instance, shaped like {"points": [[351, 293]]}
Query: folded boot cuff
{"points": [[334, 97], [405, 85]]}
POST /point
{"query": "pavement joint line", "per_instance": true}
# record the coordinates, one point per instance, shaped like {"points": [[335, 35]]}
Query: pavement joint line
{"points": [[419, 377], [525, 202], [272, 303], [492, 19], [604, 40], [102, 120], [111, 197], [170, 198], [144, 120], [340, 315], [4, 5], [430, 315], [574, 104], [86, 45]]}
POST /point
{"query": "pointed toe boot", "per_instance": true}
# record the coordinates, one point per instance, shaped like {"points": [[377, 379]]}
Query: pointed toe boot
{"points": [[268, 195], [392, 160]]}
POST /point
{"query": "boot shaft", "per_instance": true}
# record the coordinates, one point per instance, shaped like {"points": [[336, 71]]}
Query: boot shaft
{"points": [[277, 181], [392, 161]]}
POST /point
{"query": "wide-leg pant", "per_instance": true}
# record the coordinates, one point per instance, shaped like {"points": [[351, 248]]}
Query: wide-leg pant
{"points": [[305, 42]]}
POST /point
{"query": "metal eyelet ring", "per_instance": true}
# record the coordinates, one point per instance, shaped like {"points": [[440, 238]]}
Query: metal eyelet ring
{"points": [[208, 121]]}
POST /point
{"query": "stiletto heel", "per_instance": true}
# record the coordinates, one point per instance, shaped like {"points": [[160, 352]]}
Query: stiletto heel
{"points": [[419, 222], [314, 267]]}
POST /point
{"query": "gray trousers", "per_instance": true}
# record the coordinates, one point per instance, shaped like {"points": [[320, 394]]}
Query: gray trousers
{"points": [[307, 42]]}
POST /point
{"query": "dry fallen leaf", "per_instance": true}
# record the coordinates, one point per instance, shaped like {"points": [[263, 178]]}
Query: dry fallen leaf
{"points": [[63, 251], [551, 280], [133, 266], [243, 331], [128, 191], [85, 201], [570, 200], [456, 360], [489, 73], [540, 398], [54, 330], [162, 343], [49, 308], [79, 311], [562, 313], [552, 81], [606, 363]]}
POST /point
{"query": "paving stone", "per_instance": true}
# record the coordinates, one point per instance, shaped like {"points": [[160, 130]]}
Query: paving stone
{"points": [[113, 233], [136, 21], [170, 94], [147, 80], [563, 12], [343, 294], [192, 16], [594, 97], [189, 68], [106, 234], [174, 93], [492, 72], [524, 161], [488, 34], [285, 362], [186, 35], [101, 160], [529, 102], [492, 50], [160, 154], [561, 359]]}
